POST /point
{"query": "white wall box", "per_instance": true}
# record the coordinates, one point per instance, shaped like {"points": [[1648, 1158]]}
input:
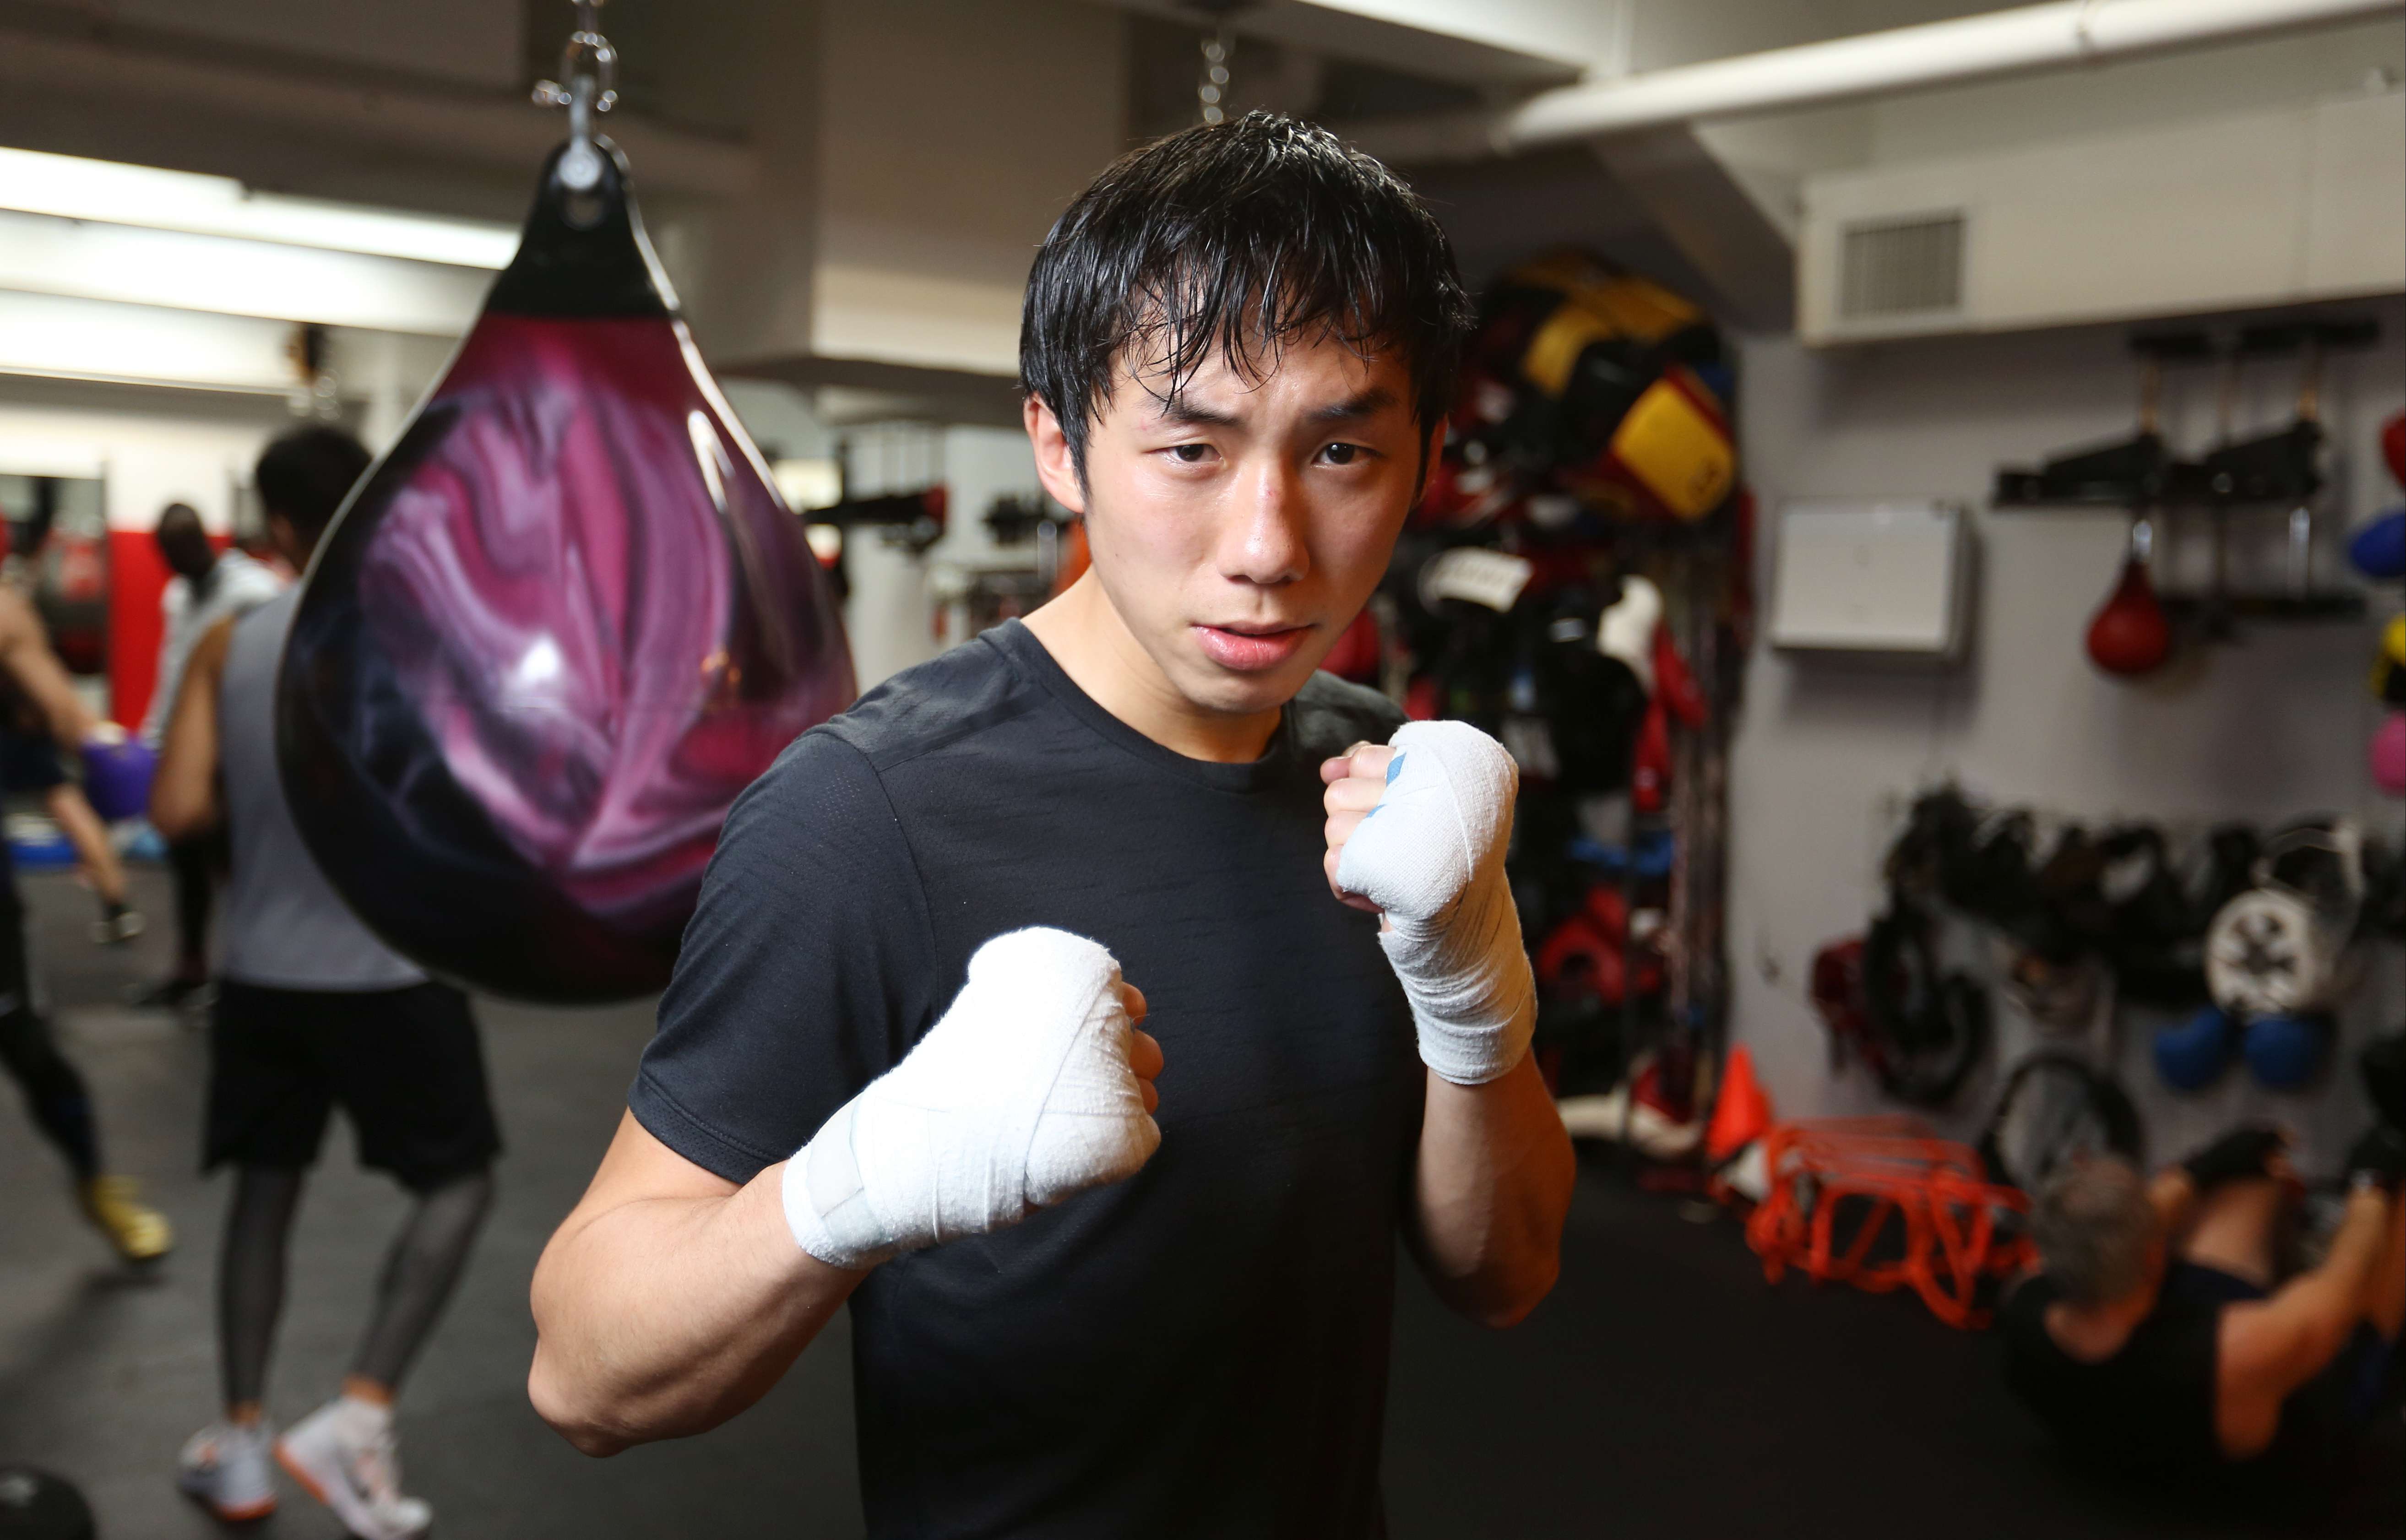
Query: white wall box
{"points": [[1889, 578]]}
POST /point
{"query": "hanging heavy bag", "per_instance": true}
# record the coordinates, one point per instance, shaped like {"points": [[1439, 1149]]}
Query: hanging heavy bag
{"points": [[2129, 636]]}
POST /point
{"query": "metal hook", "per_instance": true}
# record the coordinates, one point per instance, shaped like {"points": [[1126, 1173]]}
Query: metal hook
{"points": [[590, 65]]}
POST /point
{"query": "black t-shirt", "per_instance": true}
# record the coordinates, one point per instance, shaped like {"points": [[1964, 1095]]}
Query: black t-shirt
{"points": [[1201, 1349], [2148, 1408]]}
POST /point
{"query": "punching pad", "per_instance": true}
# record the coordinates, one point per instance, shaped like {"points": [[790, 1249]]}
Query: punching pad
{"points": [[553, 633]]}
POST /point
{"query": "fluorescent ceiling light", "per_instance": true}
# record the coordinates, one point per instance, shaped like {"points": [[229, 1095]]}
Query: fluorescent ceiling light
{"points": [[111, 192]]}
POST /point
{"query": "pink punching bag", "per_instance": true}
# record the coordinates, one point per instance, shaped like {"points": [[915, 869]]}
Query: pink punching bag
{"points": [[2388, 754], [2128, 635]]}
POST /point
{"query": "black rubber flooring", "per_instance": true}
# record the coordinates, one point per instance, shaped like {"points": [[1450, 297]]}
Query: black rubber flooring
{"points": [[1664, 1391]]}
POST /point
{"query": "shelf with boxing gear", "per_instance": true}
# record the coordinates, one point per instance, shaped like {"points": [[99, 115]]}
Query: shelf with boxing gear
{"points": [[2276, 475], [2241, 942], [1575, 583], [2137, 630]]}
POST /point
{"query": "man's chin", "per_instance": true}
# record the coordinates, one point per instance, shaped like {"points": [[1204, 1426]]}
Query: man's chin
{"points": [[1228, 692]]}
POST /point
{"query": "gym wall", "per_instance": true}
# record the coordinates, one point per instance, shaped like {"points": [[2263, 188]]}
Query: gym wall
{"points": [[1827, 751]]}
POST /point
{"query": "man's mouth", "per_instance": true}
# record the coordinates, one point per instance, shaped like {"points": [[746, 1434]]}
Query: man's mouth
{"points": [[1250, 646]]}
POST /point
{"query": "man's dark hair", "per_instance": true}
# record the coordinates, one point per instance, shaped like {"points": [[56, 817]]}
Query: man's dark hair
{"points": [[304, 476], [1237, 238]]}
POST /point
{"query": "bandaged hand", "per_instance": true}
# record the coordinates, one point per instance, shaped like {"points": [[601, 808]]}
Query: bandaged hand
{"points": [[1034, 1086], [1418, 830]]}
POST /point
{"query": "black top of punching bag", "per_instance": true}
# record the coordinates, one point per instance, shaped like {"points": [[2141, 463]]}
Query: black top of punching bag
{"points": [[583, 254]]}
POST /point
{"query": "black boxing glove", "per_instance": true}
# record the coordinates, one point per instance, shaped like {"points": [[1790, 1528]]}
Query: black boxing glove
{"points": [[2239, 1155], [2378, 1160]]}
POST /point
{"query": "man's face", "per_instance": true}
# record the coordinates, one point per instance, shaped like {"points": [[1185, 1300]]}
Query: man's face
{"points": [[1238, 526]]}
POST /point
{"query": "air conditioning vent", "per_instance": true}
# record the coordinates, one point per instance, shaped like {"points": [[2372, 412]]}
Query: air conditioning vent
{"points": [[1902, 267]]}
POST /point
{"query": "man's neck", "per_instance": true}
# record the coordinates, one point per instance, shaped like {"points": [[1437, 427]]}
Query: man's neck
{"points": [[1094, 647], [2095, 1333]]}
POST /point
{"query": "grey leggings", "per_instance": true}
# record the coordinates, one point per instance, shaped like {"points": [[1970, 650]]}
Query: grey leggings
{"points": [[420, 1271]]}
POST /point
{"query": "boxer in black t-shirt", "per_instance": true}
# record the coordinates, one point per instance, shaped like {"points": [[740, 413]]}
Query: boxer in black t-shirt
{"points": [[1109, 1280]]}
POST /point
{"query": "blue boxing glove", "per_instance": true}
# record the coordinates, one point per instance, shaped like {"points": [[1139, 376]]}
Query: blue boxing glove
{"points": [[117, 770]]}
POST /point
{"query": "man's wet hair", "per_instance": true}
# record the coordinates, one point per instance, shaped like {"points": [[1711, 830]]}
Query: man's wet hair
{"points": [[304, 476], [1237, 239], [2093, 1225]]}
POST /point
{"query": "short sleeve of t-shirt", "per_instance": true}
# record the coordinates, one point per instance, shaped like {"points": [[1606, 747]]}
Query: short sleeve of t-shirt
{"points": [[804, 969]]}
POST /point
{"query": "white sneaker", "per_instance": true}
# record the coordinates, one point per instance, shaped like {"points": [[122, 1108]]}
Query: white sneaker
{"points": [[346, 1454], [225, 1469]]}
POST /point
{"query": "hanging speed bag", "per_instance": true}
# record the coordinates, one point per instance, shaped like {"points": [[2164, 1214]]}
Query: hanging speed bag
{"points": [[553, 633], [2128, 635]]}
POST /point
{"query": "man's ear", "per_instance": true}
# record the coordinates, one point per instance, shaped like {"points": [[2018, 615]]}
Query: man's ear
{"points": [[1055, 466]]}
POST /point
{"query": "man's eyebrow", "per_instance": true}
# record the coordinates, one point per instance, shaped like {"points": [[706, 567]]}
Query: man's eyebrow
{"points": [[1369, 403], [1178, 408]]}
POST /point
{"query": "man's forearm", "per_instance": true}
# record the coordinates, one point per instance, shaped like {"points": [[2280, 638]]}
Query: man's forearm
{"points": [[664, 1317], [2331, 1296], [1492, 1186]]}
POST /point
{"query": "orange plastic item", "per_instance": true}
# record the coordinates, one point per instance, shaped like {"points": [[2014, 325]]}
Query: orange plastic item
{"points": [[1936, 1188], [1743, 1111]]}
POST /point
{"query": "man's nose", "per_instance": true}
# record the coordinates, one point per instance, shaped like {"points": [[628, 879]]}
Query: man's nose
{"points": [[1262, 540]]}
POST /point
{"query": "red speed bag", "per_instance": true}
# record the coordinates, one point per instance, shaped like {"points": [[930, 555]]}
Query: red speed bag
{"points": [[2393, 446], [2130, 635]]}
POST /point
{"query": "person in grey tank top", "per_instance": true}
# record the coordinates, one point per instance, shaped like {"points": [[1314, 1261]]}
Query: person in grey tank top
{"points": [[313, 1012]]}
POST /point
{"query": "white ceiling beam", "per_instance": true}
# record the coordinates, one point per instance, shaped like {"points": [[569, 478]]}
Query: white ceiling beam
{"points": [[40, 254], [494, 128], [1522, 43], [70, 187], [2065, 34]]}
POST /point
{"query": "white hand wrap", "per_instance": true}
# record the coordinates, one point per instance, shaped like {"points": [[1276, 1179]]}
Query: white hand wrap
{"points": [[1019, 1096], [1431, 855]]}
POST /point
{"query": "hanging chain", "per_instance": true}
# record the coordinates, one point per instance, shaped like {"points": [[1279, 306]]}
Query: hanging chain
{"points": [[1213, 90], [589, 66]]}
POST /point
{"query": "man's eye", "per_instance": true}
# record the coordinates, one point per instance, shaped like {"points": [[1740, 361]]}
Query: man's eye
{"points": [[1342, 454], [1189, 454]]}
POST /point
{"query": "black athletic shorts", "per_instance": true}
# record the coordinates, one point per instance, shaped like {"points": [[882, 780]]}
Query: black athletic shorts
{"points": [[28, 763], [404, 1065]]}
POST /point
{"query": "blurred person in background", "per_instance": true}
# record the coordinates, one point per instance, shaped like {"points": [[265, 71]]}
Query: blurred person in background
{"points": [[2165, 1335], [55, 1093], [313, 1012], [30, 766], [208, 586]]}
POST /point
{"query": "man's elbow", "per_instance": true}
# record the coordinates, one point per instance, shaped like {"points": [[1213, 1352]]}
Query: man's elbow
{"points": [[574, 1417], [174, 816], [1527, 1290]]}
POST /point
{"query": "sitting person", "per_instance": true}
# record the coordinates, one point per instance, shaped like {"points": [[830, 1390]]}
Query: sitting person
{"points": [[2161, 1337]]}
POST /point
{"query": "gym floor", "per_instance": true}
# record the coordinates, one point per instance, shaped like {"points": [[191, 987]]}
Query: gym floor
{"points": [[1664, 1391]]}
